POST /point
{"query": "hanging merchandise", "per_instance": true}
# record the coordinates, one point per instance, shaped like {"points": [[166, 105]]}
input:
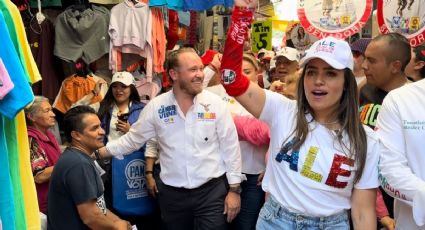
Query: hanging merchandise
{"points": [[173, 26], [6, 84], [337, 18], [193, 28], [106, 2], [15, 188], [170, 4], [261, 35], [404, 17], [159, 40], [46, 3], [130, 29], [81, 32], [205, 5]]}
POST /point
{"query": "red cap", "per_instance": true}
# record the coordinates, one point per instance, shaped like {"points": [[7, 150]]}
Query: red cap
{"points": [[208, 56]]}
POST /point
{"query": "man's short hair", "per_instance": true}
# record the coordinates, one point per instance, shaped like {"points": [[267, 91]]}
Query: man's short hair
{"points": [[172, 61], [398, 47], [72, 120]]}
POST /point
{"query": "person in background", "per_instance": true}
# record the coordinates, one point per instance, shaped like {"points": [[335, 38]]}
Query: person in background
{"points": [[386, 58], [415, 70], [119, 109], [287, 88], [322, 160], [287, 60], [44, 148], [358, 49], [75, 184]]}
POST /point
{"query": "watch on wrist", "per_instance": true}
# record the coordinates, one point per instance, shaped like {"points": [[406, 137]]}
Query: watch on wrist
{"points": [[236, 189]]}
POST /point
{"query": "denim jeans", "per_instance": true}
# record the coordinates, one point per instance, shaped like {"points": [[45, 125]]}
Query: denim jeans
{"points": [[252, 199], [274, 216]]}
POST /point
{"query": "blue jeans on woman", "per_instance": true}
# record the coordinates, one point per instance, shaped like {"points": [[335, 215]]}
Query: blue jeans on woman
{"points": [[275, 216], [252, 199]]}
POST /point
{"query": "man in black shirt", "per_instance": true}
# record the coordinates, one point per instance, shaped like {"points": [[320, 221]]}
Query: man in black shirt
{"points": [[386, 58], [75, 199]]}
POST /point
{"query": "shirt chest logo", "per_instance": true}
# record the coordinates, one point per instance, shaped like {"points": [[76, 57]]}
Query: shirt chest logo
{"points": [[167, 113]]}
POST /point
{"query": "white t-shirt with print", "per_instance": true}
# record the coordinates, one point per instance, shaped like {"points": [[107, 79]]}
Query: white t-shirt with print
{"points": [[320, 181]]}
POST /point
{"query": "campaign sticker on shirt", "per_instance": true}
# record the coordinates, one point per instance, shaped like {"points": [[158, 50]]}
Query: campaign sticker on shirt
{"points": [[167, 113], [406, 17], [300, 38], [336, 18]]}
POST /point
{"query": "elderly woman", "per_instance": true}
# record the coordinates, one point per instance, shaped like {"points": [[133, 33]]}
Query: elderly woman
{"points": [[44, 148]]}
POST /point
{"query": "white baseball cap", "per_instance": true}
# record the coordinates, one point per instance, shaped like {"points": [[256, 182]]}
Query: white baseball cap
{"points": [[288, 52], [335, 52], [124, 77]]}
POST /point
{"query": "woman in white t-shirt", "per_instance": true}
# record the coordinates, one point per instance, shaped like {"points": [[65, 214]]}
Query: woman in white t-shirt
{"points": [[322, 160]]}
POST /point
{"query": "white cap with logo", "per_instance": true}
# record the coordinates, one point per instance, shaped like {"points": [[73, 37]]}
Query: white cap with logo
{"points": [[335, 52], [124, 77], [288, 52]]}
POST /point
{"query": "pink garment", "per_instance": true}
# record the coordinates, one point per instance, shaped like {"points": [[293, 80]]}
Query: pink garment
{"points": [[130, 30], [50, 148], [147, 90], [381, 209], [6, 84], [252, 130]]}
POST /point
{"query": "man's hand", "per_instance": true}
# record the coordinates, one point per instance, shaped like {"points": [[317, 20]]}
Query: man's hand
{"points": [[216, 62], [122, 225], [232, 205], [277, 86], [153, 190], [246, 3], [387, 222]]}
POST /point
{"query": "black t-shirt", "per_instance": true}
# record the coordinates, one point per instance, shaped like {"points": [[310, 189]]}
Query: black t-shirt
{"points": [[371, 99], [370, 103], [74, 181]]}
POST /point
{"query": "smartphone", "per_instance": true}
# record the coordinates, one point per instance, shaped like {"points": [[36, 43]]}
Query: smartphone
{"points": [[123, 117]]}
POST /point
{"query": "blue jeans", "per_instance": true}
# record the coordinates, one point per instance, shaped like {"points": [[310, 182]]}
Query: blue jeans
{"points": [[252, 199], [274, 216]]}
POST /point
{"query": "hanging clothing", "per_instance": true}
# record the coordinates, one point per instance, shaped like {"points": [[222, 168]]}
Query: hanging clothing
{"points": [[205, 5], [73, 89], [193, 29], [170, 4], [7, 204], [11, 104], [173, 26], [17, 33], [6, 85], [159, 40], [46, 3], [82, 34], [41, 40], [130, 29]]}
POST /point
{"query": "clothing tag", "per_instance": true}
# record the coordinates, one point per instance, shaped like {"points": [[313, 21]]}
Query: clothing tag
{"points": [[99, 169]]}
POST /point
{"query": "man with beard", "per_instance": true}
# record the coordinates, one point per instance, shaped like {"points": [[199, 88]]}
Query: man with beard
{"points": [[198, 145], [75, 199]]}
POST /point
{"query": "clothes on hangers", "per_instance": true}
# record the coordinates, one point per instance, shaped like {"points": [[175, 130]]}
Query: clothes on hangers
{"points": [[41, 40], [85, 37], [130, 29], [159, 40], [74, 88], [17, 33], [6, 84], [170, 4]]}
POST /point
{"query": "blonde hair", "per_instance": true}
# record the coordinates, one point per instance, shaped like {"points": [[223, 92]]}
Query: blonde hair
{"points": [[251, 59]]}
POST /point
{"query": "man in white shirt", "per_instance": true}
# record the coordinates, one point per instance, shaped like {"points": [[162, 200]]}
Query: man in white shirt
{"points": [[198, 144], [401, 130]]}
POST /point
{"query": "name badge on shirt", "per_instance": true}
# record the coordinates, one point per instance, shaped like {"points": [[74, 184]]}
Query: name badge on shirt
{"points": [[167, 113]]}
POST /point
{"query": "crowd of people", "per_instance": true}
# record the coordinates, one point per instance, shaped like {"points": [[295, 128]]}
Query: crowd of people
{"points": [[269, 140]]}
